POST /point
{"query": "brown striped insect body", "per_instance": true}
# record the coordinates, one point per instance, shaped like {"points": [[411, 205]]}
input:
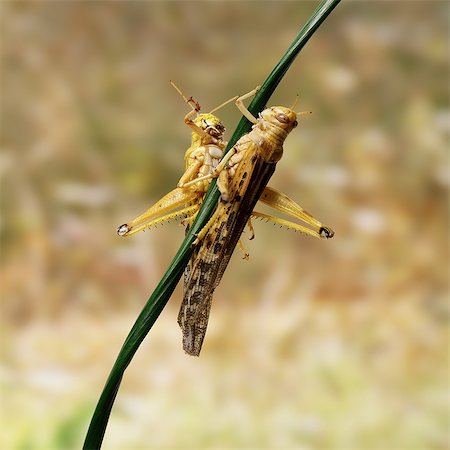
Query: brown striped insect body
{"points": [[250, 164]]}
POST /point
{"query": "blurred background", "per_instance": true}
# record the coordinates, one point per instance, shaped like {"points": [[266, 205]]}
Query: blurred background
{"points": [[311, 344]]}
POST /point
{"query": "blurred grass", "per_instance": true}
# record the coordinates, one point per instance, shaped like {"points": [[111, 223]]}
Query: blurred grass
{"points": [[340, 344]]}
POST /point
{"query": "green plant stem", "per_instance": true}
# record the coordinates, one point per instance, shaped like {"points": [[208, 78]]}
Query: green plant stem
{"points": [[166, 286]]}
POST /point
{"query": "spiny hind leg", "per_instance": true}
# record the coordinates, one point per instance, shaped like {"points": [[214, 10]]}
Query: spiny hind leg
{"points": [[287, 224], [183, 213], [286, 205], [174, 199]]}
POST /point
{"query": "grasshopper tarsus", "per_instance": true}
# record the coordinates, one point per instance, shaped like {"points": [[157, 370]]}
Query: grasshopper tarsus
{"points": [[326, 233], [123, 230]]}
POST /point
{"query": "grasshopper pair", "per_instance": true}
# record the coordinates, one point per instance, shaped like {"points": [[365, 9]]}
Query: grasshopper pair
{"points": [[242, 180]]}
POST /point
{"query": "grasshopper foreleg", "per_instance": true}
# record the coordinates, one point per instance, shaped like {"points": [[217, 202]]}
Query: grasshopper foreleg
{"points": [[190, 173], [243, 109], [194, 127], [245, 254], [251, 229], [201, 234], [218, 169]]}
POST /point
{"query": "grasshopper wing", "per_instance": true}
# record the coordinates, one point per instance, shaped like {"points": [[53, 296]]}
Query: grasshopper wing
{"points": [[211, 258]]}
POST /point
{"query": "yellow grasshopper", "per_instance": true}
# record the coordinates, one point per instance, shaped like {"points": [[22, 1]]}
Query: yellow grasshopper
{"points": [[242, 178], [204, 154]]}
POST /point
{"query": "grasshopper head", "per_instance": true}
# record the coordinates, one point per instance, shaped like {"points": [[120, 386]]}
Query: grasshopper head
{"points": [[210, 124], [281, 117]]}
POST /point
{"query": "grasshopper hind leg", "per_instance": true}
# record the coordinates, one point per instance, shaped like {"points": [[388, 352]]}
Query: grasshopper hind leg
{"points": [[163, 210], [286, 205]]}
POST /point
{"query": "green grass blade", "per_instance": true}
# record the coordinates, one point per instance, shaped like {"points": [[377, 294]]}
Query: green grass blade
{"points": [[166, 286]]}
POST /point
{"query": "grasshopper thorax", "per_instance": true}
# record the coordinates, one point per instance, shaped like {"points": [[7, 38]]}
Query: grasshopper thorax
{"points": [[280, 117], [210, 124]]}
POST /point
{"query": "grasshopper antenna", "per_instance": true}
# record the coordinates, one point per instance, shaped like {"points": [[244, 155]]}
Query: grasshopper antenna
{"points": [[300, 113], [303, 113]]}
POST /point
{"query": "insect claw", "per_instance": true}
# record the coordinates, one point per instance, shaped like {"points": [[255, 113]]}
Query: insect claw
{"points": [[326, 232], [123, 230]]}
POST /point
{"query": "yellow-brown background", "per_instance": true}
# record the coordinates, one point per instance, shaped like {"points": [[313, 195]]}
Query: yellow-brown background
{"points": [[311, 344]]}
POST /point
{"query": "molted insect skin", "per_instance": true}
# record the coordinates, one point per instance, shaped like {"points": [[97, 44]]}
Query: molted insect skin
{"points": [[261, 149], [200, 159]]}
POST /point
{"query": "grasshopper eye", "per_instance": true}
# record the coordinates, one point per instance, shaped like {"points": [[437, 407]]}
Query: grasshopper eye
{"points": [[295, 124], [283, 118]]}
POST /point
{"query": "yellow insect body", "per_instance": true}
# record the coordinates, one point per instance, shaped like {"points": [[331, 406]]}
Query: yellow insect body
{"points": [[205, 152], [200, 159]]}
